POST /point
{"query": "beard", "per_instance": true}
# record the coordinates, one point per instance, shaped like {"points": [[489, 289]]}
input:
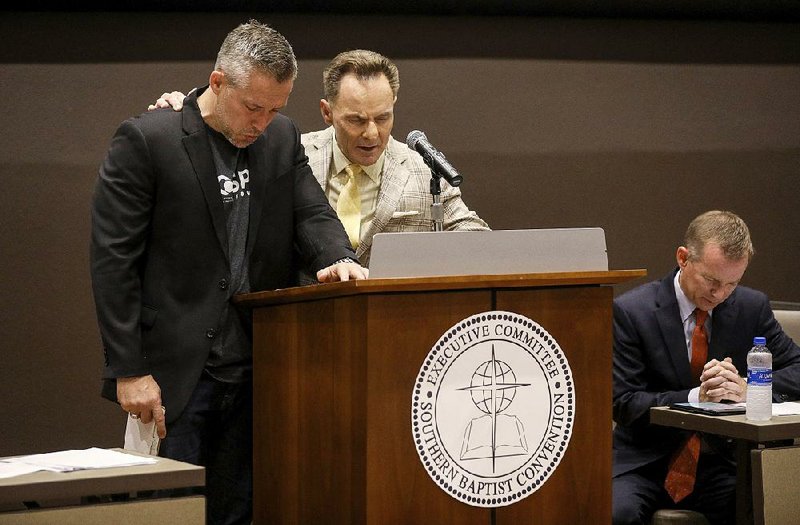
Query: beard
{"points": [[239, 138]]}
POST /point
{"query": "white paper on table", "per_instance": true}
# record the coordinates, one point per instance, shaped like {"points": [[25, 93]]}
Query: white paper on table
{"points": [[90, 458], [9, 469], [788, 408]]}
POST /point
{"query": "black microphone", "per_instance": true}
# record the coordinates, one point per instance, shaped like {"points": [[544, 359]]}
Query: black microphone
{"points": [[417, 141]]}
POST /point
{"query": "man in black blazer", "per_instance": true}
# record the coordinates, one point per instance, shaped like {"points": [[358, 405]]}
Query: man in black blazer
{"points": [[190, 209], [653, 326]]}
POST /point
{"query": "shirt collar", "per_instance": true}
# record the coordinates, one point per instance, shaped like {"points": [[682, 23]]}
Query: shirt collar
{"points": [[340, 162], [686, 306]]}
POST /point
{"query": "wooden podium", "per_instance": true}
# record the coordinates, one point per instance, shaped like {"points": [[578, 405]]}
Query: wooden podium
{"points": [[334, 368]]}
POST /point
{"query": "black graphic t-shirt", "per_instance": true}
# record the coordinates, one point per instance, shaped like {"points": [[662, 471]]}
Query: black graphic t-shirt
{"points": [[231, 354]]}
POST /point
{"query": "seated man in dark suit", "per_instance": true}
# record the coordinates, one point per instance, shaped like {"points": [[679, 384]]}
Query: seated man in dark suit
{"points": [[686, 338]]}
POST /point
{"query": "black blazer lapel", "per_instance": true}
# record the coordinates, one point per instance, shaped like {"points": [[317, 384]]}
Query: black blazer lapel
{"points": [[669, 322], [197, 147], [723, 328]]}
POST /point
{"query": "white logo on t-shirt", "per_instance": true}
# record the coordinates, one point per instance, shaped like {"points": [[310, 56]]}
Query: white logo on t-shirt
{"points": [[232, 188]]}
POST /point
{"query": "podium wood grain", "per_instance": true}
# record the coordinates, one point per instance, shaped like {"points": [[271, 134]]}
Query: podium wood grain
{"points": [[579, 491], [334, 369]]}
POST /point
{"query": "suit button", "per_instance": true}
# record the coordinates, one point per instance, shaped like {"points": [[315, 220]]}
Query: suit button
{"points": [[223, 284], [211, 333]]}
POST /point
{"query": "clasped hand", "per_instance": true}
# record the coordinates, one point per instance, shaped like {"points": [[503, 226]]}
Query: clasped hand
{"points": [[721, 381]]}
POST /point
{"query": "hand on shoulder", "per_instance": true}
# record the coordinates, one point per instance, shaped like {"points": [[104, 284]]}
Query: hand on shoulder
{"points": [[172, 100]]}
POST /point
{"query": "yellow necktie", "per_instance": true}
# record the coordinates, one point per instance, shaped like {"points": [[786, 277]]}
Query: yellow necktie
{"points": [[348, 207]]}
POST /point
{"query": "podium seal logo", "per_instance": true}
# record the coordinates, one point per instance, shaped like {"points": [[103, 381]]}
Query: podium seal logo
{"points": [[493, 409]]}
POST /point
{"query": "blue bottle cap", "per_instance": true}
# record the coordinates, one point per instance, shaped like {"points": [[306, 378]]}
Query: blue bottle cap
{"points": [[759, 340]]}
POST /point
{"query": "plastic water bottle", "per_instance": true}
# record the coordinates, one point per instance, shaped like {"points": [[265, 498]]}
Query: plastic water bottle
{"points": [[759, 381]]}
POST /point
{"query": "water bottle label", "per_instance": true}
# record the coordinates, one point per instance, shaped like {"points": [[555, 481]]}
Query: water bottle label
{"points": [[759, 376]]}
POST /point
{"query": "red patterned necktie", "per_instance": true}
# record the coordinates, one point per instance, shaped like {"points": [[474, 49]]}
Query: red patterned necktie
{"points": [[683, 465]]}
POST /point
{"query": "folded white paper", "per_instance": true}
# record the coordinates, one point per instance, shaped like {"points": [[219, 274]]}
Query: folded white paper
{"points": [[141, 437]]}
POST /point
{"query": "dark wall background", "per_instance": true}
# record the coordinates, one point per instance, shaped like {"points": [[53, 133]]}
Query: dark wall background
{"points": [[635, 122]]}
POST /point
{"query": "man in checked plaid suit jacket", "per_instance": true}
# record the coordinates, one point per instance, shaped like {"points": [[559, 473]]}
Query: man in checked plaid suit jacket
{"points": [[360, 91], [404, 199]]}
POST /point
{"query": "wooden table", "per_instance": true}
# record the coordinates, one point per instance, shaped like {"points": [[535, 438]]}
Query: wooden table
{"points": [[749, 435], [82, 497]]}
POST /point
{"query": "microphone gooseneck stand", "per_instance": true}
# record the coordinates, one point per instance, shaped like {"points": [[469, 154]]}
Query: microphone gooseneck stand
{"points": [[437, 210], [439, 168]]}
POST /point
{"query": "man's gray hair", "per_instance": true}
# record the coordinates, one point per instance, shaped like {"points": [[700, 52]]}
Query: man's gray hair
{"points": [[254, 46], [724, 228], [364, 65]]}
